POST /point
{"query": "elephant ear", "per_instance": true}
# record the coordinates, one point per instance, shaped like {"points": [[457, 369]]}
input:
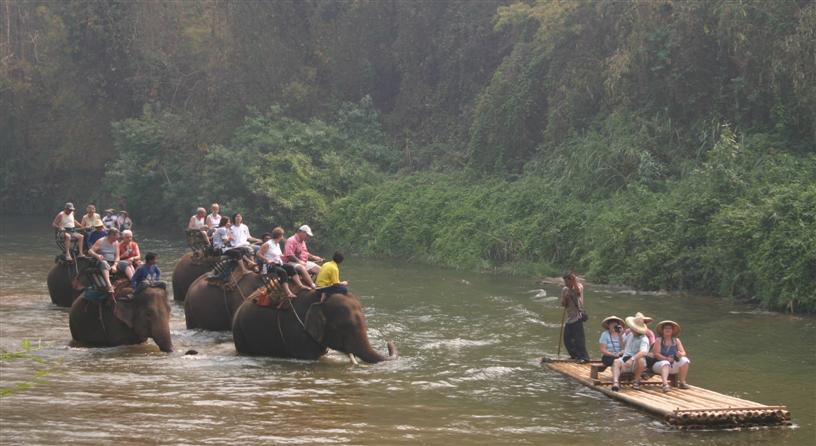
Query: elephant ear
{"points": [[315, 322], [124, 312]]}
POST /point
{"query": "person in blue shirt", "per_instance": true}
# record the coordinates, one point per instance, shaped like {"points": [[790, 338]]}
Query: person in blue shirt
{"points": [[147, 274], [611, 341], [98, 233]]}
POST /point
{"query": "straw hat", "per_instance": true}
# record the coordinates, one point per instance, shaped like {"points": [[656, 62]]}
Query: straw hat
{"points": [[675, 331], [605, 322], [636, 324], [646, 319]]}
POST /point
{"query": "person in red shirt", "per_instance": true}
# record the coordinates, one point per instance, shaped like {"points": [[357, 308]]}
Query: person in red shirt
{"points": [[129, 252], [296, 254]]}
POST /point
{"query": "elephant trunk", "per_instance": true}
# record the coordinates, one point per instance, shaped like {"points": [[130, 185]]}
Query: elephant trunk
{"points": [[366, 353], [163, 340]]}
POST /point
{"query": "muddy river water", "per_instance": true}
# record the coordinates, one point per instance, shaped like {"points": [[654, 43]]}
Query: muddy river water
{"points": [[468, 372]]}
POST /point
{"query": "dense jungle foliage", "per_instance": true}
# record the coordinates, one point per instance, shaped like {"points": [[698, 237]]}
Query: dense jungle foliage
{"points": [[660, 144]]}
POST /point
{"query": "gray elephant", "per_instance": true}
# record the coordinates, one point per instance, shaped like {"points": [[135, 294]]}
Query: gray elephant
{"points": [[211, 307], [306, 329], [147, 315], [188, 268]]}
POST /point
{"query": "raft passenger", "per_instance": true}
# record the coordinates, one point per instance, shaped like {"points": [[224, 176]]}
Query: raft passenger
{"points": [[611, 341], [670, 355], [572, 298], [64, 221], [635, 348], [328, 279]]}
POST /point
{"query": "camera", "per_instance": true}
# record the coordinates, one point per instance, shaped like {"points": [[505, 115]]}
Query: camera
{"points": [[618, 329]]}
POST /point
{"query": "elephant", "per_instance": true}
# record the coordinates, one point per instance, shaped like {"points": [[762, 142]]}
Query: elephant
{"points": [[306, 328], [211, 307], [61, 280], [146, 315], [188, 268]]}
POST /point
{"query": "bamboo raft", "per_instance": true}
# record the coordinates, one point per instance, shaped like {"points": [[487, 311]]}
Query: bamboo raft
{"points": [[694, 408]]}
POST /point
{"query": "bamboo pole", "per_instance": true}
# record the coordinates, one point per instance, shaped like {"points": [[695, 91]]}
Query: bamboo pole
{"points": [[561, 335]]}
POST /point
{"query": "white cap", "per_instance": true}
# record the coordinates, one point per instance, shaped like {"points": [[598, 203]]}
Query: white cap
{"points": [[306, 229]]}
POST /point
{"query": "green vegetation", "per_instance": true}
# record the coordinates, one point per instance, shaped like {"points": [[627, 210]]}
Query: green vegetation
{"points": [[659, 144], [25, 354]]}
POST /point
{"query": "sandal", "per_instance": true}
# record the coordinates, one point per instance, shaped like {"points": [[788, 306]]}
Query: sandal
{"points": [[615, 386], [666, 388], [636, 385], [684, 386]]}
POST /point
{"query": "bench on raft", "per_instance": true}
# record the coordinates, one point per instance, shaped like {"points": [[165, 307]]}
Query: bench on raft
{"points": [[596, 367]]}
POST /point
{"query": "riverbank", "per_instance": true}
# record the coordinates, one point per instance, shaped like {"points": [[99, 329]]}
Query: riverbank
{"points": [[742, 237]]}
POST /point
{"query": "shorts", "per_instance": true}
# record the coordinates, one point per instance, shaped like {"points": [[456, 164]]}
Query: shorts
{"points": [[673, 367], [311, 265], [105, 265], [277, 270], [608, 360], [73, 233], [630, 366]]}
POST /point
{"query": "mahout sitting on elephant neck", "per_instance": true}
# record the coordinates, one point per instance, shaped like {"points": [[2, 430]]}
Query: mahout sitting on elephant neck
{"points": [[122, 322]]}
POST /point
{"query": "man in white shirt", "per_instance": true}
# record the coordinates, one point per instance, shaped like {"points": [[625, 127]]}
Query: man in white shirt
{"points": [[64, 221]]}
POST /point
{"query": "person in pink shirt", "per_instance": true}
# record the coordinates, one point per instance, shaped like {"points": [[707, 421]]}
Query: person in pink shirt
{"points": [[297, 254], [129, 252]]}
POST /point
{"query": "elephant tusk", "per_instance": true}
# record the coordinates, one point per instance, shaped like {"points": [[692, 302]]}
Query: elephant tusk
{"points": [[353, 359]]}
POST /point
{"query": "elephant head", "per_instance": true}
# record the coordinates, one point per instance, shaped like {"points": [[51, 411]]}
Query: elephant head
{"points": [[149, 316], [339, 324]]}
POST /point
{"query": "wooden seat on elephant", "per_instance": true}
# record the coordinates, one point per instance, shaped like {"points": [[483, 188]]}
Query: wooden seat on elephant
{"points": [[241, 269], [200, 246], [59, 238]]}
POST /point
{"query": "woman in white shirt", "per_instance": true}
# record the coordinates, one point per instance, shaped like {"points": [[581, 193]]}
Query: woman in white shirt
{"points": [[271, 257]]}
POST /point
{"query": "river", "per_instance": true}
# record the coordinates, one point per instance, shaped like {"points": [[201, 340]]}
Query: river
{"points": [[468, 372]]}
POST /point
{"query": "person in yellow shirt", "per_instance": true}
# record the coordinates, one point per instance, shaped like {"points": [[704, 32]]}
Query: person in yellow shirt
{"points": [[328, 279]]}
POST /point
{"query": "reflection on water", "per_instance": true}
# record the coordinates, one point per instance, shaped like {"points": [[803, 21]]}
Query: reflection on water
{"points": [[468, 372]]}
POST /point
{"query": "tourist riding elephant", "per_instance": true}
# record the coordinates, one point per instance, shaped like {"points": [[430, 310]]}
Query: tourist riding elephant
{"points": [[147, 315], [189, 267], [306, 329], [61, 277], [211, 307]]}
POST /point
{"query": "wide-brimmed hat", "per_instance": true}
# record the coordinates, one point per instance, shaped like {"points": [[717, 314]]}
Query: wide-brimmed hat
{"points": [[675, 331], [646, 319], [636, 324], [605, 322], [99, 224], [306, 229]]}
